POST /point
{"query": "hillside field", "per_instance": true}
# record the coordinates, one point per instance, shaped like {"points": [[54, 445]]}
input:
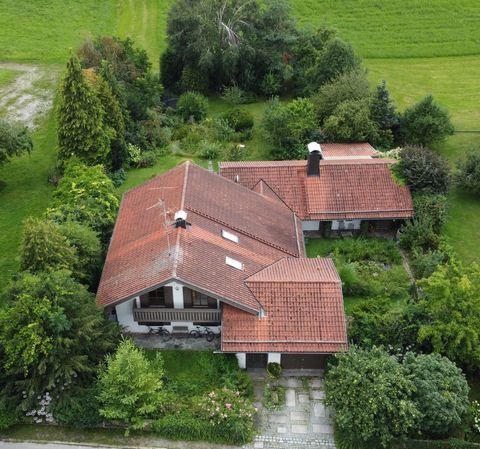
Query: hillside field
{"points": [[419, 47]]}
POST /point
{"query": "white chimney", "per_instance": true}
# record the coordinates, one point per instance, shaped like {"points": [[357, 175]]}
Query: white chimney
{"points": [[314, 146], [180, 215]]}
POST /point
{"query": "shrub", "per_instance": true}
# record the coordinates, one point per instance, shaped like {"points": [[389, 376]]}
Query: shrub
{"points": [[425, 123], [431, 207], [118, 177], [147, 159], [419, 234], [192, 105], [193, 79], [377, 250], [424, 170], [231, 414], [274, 370], [176, 427], [370, 394], [468, 174], [209, 150], [235, 152], [273, 396], [424, 264], [7, 418], [78, 409], [14, 140], [234, 95], [240, 120], [441, 393]]}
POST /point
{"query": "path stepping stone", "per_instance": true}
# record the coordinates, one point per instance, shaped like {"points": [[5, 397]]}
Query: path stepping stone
{"points": [[318, 394], [290, 397], [319, 410], [299, 428]]}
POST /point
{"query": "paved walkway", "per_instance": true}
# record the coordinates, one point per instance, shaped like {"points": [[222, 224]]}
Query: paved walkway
{"points": [[304, 421], [182, 342]]}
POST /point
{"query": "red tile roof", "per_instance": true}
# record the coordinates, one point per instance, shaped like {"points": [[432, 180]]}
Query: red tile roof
{"points": [[146, 250], [346, 188], [348, 150], [303, 304]]}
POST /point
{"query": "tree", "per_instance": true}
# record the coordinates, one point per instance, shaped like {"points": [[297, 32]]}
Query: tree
{"points": [[337, 58], [351, 122], [370, 394], [88, 249], [441, 393], [348, 87], [85, 195], [52, 336], [450, 298], [468, 174], [424, 170], [289, 127], [81, 128], [45, 248], [131, 385], [14, 140], [383, 113], [424, 123]]}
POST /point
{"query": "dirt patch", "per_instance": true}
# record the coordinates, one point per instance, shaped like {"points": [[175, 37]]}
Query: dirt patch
{"points": [[30, 96]]}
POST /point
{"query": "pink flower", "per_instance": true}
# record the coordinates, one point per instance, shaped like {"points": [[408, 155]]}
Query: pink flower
{"points": [[229, 406]]}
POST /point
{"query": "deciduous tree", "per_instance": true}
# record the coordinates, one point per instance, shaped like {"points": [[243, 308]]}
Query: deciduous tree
{"points": [[131, 385]]}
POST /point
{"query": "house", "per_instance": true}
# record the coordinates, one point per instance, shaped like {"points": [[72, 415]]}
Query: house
{"points": [[191, 248], [339, 187]]}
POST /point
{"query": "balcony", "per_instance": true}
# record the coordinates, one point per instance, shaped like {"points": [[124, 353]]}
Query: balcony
{"points": [[159, 315]]}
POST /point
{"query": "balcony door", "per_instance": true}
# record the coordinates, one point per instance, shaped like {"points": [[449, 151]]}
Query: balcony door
{"points": [[160, 298], [196, 300]]}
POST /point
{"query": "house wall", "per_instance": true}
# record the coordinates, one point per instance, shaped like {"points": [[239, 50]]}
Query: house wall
{"points": [[241, 359], [347, 225], [310, 225], [125, 317]]}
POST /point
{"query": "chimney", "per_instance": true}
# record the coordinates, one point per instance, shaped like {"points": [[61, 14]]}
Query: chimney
{"points": [[181, 219], [314, 157]]}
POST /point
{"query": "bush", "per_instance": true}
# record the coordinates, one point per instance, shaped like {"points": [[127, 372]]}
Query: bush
{"points": [[240, 120], [441, 393], [419, 234], [273, 396], [468, 175], [432, 208], [147, 159], [234, 95], [14, 140], [435, 444], [78, 409], [424, 170], [274, 370], [176, 427], [209, 150], [235, 152], [370, 394], [7, 418], [192, 105], [424, 123], [377, 250], [424, 264]]}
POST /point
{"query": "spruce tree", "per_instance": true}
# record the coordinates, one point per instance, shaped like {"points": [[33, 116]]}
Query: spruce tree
{"points": [[382, 108], [81, 128]]}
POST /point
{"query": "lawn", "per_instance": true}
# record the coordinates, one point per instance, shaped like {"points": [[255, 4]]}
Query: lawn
{"points": [[7, 76], [398, 28]]}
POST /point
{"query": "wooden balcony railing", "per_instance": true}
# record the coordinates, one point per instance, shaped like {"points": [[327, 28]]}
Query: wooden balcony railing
{"points": [[157, 315]]}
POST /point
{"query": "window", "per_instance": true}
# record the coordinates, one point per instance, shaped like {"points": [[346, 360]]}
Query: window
{"points": [[234, 263], [156, 298], [199, 299], [229, 236]]}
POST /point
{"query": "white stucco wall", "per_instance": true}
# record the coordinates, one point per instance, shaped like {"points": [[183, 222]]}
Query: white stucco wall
{"points": [[274, 357], [125, 317], [310, 225], [241, 359], [177, 289]]}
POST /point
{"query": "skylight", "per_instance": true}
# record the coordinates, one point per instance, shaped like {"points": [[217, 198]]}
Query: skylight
{"points": [[234, 263], [229, 236]]}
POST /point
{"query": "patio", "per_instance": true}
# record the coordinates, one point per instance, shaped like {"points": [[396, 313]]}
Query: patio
{"points": [[178, 341]]}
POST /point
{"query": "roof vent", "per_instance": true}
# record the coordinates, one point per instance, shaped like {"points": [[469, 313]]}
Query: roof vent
{"points": [[181, 219], [314, 157], [237, 178], [234, 263]]}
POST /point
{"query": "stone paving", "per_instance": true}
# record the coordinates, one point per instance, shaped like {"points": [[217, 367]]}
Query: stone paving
{"points": [[303, 422], [152, 341]]}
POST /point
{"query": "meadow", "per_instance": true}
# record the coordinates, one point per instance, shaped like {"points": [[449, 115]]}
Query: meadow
{"points": [[419, 47]]}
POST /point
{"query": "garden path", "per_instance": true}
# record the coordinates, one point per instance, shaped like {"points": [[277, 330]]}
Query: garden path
{"points": [[303, 422]]}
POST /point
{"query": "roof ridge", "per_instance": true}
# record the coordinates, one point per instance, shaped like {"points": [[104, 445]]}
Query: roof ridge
{"points": [[179, 230]]}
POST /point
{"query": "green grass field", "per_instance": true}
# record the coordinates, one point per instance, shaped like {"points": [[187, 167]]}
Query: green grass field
{"points": [[398, 28], [441, 40]]}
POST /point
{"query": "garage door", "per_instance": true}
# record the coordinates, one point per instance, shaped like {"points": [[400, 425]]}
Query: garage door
{"points": [[257, 360], [303, 361]]}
